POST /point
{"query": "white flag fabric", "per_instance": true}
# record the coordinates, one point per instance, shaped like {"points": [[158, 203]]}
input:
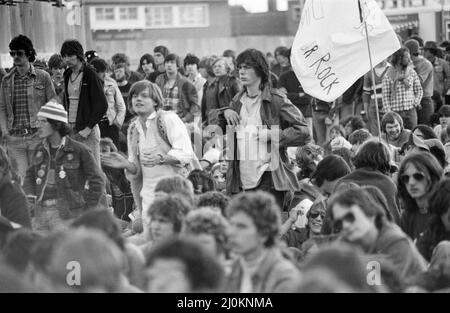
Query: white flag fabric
{"points": [[330, 52]]}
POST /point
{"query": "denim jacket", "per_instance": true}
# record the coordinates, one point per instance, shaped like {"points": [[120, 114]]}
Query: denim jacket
{"points": [[276, 111], [78, 178], [40, 91]]}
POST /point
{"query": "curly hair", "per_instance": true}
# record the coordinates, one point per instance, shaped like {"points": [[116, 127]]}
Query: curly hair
{"points": [[22, 42], [202, 181], [176, 185], [215, 199], [255, 59], [261, 207], [172, 207], [426, 163], [191, 59], [359, 136], [208, 221], [374, 155], [398, 55]]}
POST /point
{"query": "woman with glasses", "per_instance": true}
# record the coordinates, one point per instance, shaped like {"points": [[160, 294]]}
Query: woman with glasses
{"points": [[418, 177], [439, 227], [360, 221]]}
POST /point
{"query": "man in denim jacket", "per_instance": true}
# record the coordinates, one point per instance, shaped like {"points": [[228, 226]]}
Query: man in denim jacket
{"points": [[63, 177], [23, 91]]}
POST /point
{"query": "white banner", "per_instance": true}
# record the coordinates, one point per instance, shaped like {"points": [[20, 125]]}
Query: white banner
{"points": [[330, 52]]}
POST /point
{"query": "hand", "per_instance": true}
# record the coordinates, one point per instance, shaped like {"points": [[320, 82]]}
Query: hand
{"points": [[150, 159], [263, 135], [294, 214], [232, 117], [85, 132], [114, 160]]}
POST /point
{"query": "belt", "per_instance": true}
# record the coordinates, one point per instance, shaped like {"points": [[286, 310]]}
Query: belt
{"points": [[50, 202], [23, 132]]}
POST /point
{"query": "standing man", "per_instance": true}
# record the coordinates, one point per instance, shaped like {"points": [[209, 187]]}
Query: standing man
{"points": [[23, 91], [282, 55], [120, 60], [191, 67], [160, 54], [402, 91], [256, 113], [84, 99], [111, 123], [56, 66], [441, 71], [424, 69], [178, 92], [60, 171]]}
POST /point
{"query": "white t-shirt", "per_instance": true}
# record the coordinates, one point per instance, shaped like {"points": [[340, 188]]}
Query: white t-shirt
{"points": [[253, 154]]}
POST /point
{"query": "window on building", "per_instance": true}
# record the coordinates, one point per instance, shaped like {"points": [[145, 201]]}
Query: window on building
{"points": [[104, 14], [193, 15], [159, 16], [447, 35], [128, 13]]}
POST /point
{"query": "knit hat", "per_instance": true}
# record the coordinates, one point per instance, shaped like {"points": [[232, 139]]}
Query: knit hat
{"points": [[53, 111], [413, 46]]}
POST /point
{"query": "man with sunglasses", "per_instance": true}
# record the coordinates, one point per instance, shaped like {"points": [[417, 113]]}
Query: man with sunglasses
{"points": [[23, 91], [360, 221]]}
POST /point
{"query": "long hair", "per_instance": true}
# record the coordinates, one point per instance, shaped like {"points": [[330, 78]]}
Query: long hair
{"points": [[155, 93], [360, 197], [398, 55], [426, 163], [255, 59]]}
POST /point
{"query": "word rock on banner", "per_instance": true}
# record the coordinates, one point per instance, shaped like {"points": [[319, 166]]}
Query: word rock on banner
{"points": [[330, 52]]}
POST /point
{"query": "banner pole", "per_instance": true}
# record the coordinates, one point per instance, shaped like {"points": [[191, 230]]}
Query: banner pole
{"points": [[364, 20]]}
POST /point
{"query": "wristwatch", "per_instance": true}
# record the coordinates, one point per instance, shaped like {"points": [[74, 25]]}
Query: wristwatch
{"points": [[161, 159]]}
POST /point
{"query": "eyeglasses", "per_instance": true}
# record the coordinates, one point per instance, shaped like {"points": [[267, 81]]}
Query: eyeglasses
{"points": [[19, 53], [338, 223], [315, 215], [417, 177]]}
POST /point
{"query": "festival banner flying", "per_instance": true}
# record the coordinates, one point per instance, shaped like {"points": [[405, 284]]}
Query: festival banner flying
{"points": [[330, 51]]}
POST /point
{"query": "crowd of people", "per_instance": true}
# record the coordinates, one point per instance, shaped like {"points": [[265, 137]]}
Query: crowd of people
{"points": [[221, 174]]}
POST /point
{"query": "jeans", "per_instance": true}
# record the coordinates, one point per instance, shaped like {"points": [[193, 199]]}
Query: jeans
{"points": [[424, 114], [49, 217], [92, 141], [109, 131], [372, 123], [409, 118], [21, 150], [321, 130], [266, 184]]}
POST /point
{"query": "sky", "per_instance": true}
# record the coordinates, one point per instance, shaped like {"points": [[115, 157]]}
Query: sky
{"points": [[258, 5]]}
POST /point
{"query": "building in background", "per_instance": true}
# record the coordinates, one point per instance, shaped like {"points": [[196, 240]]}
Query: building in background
{"points": [[47, 23], [135, 27]]}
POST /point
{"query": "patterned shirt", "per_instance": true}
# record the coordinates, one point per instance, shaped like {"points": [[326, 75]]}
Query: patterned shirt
{"points": [[170, 94], [20, 101], [401, 95]]}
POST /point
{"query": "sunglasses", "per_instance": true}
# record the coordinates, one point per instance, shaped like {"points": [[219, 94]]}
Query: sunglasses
{"points": [[417, 177], [338, 223], [19, 53], [315, 215]]}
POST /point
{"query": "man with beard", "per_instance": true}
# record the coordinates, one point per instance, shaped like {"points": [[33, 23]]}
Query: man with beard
{"points": [[23, 91], [402, 91], [393, 131]]}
